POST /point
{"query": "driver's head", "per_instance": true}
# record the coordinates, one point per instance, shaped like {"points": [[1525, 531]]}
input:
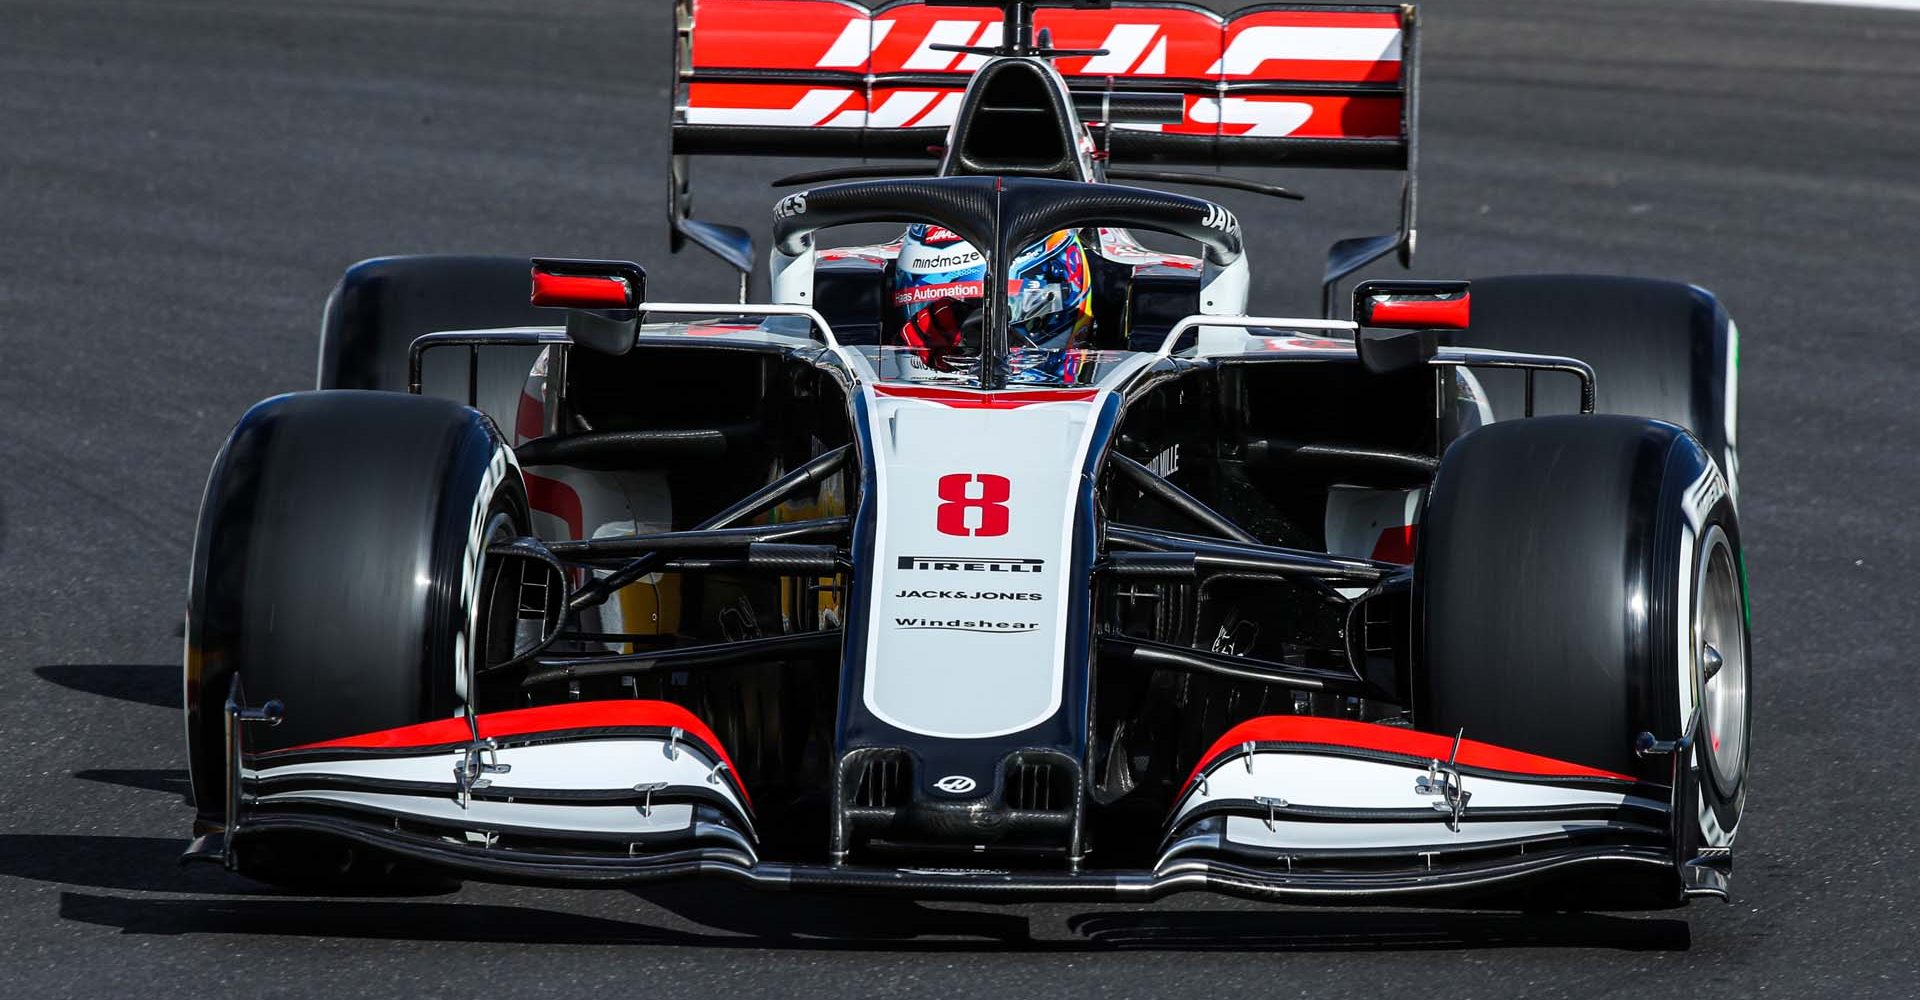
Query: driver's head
{"points": [[939, 279]]}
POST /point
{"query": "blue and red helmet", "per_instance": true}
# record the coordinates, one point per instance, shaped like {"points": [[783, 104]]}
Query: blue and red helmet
{"points": [[939, 280]]}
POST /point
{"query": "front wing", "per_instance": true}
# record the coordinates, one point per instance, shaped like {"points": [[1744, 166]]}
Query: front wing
{"points": [[1282, 807]]}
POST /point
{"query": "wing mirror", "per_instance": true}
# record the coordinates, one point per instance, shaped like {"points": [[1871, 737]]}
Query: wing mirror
{"points": [[1423, 308], [601, 297]]}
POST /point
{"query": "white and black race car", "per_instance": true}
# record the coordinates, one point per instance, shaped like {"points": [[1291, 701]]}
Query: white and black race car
{"points": [[888, 586]]}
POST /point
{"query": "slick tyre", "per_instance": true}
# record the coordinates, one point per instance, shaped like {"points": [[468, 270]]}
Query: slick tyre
{"points": [[381, 305], [1659, 349], [338, 567], [1579, 582]]}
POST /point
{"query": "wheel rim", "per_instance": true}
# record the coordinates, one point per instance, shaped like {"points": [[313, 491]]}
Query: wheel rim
{"points": [[1720, 657]]}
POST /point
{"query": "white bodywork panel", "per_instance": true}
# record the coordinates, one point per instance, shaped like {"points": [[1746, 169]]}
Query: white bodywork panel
{"points": [[1357, 516], [481, 814], [575, 765], [1306, 780], [966, 636]]}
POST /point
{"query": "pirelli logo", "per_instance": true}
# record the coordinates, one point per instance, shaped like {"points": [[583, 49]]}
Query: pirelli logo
{"points": [[972, 564]]}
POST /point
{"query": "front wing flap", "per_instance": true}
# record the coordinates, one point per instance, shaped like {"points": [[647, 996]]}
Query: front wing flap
{"points": [[1282, 808]]}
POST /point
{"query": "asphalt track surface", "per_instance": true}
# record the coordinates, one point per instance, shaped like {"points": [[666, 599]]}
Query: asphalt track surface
{"points": [[181, 181]]}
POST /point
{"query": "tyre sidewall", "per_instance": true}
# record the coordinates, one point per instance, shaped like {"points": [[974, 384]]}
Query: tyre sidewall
{"points": [[1539, 570], [381, 305], [1659, 349], [258, 545], [1694, 503]]}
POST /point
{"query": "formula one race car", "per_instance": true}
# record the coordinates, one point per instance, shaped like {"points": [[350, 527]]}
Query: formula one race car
{"points": [[1006, 559]]}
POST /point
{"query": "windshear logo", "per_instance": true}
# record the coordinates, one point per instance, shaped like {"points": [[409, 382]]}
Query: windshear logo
{"points": [[792, 205], [980, 626]]}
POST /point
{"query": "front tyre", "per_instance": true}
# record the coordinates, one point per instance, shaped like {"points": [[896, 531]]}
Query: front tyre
{"points": [[382, 304], [1581, 592], [1659, 349], [339, 567]]}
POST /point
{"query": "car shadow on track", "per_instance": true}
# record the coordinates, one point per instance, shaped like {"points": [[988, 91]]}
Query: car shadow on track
{"points": [[464, 922], [1376, 930], [812, 918], [902, 929], [140, 864], [204, 900], [156, 684], [781, 917], [148, 779], [146, 864], [380, 919]]}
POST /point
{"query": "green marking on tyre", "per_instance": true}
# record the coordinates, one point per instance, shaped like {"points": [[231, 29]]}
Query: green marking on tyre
{"points": [[1746, 601]]}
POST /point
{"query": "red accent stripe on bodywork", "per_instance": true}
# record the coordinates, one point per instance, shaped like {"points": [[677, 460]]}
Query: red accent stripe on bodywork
{"points": [[979, 400], [541, 719], [1396, 545], [581, 291], [1422, 314], [1393, 740], [551, 496], [529, 418], [778, 35]]}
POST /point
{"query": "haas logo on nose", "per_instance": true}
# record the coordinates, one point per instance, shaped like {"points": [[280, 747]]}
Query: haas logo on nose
{"points": [[955, 784]]}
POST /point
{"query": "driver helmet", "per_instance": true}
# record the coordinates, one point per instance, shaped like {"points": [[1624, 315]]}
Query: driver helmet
{"points": [[938, 281]]}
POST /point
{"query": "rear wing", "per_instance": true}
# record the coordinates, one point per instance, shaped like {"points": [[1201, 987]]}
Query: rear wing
{"points": [[1278, 84]]}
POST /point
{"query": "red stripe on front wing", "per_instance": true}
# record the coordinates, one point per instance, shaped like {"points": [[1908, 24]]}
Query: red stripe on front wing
{"points": [[542, 719], [1393, 740]]}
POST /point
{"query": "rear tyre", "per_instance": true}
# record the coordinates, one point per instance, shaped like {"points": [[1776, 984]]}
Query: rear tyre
{"points": [[1579, 582], [1659, 349], [382, 304], [338, 566]]}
